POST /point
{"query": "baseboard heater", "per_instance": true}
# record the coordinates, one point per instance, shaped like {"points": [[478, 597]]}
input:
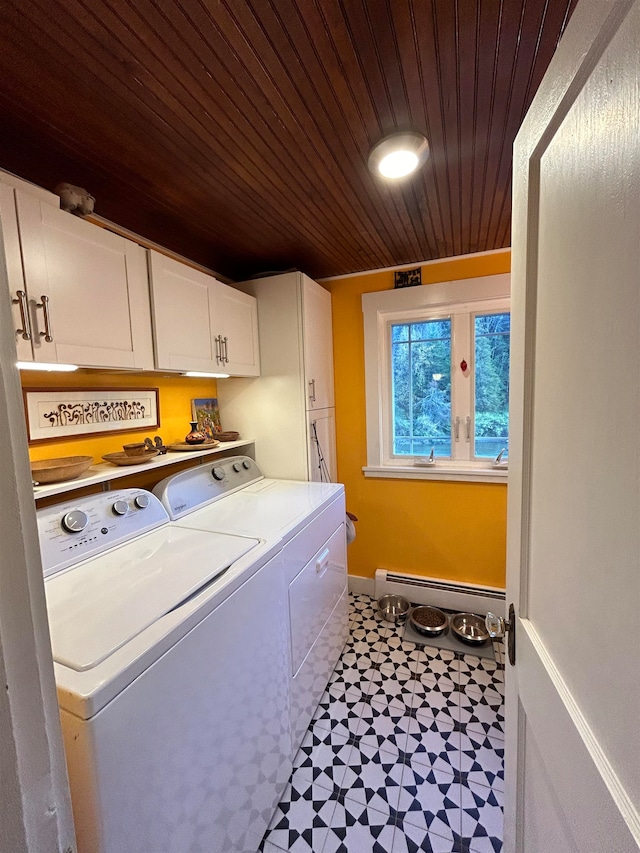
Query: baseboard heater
{"points": [[451, 595]]}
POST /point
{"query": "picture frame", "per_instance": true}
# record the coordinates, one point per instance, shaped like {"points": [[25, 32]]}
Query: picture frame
{"points": [[205, 411], [59, 413], [407, 278]]}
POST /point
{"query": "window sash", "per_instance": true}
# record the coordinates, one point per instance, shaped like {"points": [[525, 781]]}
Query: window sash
{"points": [[462, 317]]}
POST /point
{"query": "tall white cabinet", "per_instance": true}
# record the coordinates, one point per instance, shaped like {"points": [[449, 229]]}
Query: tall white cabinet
{"points": [[289, 409]]}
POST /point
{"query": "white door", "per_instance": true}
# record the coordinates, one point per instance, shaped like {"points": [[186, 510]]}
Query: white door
{"points": [[318, 344], [183, 301], [87, 287], [236, 321], [573, 697]]}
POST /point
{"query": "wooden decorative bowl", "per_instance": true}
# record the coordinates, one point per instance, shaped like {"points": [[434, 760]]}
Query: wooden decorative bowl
{"points": [[58, 470], [229, 435]]}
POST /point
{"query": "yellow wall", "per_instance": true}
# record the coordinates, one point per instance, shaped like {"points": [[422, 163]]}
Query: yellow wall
{"points": [[454, 531], [175, 395]]}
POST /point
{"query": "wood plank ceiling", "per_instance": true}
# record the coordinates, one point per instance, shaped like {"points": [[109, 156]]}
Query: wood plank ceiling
{"points": [[236, 132]]}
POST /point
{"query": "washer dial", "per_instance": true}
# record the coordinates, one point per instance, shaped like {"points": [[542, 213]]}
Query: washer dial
{"points": [[120, 507], [75, 521]]}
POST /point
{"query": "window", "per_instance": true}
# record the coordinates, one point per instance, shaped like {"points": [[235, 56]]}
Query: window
{"points": [[437, 379]]}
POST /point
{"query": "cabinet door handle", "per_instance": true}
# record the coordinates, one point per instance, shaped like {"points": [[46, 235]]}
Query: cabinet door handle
{"points": [[456, 429], [48, 328], [218, 349], [312, 390], [225, 357], [468, 428], [322, 563], [21, 300]]}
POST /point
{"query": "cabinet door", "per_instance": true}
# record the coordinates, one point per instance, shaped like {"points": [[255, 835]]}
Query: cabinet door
{"points": [[318, 344], [236, 318], [96, 310], [322, 445], [15, 275], [183, 302]]}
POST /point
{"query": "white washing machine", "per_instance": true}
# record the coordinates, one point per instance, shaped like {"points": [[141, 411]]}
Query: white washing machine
{"points": [[233, 496], [171, 655]]}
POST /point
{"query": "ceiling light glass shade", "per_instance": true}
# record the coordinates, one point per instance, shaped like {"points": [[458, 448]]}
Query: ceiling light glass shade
{"points": [[398, 155], [42, 365]]}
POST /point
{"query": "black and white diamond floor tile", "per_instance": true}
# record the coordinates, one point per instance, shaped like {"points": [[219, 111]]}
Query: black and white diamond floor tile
{"points": [[433, 744], [322, 758], [482, 759], [430, 800], [481, 818], [381, 727], [356, 827], [412, 839], [405, 752], [482, 714], [476, 674], [301, 821]]}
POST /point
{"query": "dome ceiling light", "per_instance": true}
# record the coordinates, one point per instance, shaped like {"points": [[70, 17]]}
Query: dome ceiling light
{"points": [[398, 155]]}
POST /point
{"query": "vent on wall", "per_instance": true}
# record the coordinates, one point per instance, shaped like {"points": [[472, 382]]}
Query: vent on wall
{"points": [[448, 594]]}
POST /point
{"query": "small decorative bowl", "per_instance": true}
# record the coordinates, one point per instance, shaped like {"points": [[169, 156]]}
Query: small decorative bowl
{"points": [[137, 449], [428, 620], [470, 628], [59, 469], [393, 608]]}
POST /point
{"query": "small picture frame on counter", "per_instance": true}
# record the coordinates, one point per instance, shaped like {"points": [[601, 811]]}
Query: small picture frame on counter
{"points": [[205, 412]]}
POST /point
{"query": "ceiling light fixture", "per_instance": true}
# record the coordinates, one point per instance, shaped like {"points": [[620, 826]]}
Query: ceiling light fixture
{"points": [[42, 365], [398, 155]]}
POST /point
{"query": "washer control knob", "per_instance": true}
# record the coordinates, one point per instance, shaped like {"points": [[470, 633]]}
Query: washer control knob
{"points": [[141, 501], [237, 467], [246, 464], [218, 473], [75, 521], [120, 507]]}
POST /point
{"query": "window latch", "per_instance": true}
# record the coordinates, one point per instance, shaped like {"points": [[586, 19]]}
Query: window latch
{"points": [[468, 428], [456, 429]]}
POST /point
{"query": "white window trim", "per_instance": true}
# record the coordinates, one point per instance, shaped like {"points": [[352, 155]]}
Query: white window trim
{"points": [[477, 295]]}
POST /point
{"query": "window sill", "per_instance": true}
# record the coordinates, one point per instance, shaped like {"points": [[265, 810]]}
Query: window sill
{"points": [[439, 471]]}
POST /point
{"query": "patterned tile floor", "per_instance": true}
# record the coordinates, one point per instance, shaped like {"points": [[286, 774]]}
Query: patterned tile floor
{"points": [[405, 752]]}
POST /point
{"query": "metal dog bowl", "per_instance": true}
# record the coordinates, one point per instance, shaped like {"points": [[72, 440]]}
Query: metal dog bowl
{"points": [[428, 620], [393, 608], [470, 628]]}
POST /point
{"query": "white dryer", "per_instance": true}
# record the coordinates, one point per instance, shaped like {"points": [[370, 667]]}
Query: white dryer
{"points": [[233, 496], [171, 655]]}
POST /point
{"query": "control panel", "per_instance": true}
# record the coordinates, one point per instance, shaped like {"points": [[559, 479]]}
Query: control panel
{"points": [[189, 490], [71, 532]]}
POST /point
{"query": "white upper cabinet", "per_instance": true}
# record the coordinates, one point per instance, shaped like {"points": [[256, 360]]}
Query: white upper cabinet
{"points": [[237, 319], [85, 290], [199, 323], [318, 344]]}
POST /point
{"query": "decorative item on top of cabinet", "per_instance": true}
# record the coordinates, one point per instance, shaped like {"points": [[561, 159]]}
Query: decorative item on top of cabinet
{"points": [[75, 200], [201, 324], [80, 293]]}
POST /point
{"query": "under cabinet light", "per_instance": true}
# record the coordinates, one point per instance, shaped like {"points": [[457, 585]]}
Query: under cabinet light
{"points": [[43, 365], [199, 374]]}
